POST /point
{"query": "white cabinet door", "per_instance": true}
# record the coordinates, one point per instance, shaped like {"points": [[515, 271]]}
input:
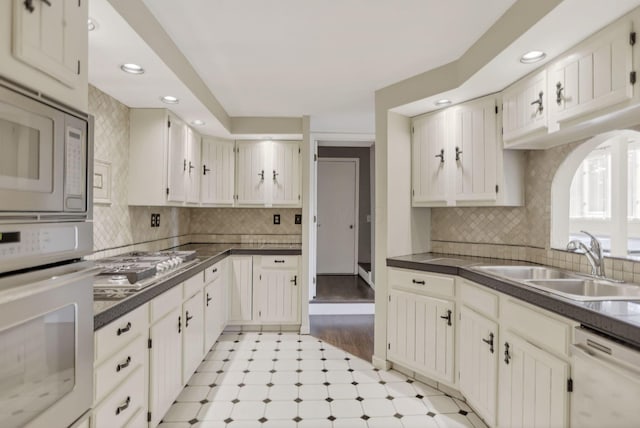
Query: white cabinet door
{"points": [[177, 160], [524, 107], [217, 172], [420, 334], [193, 166], [193, 336], [276, 296], [475, 150], [215, 309], [429, 160], [286, 174], [165, 364], [252, 172], [241, 285], [532, 386], [48, 35], [478, 353], [593, 76]]}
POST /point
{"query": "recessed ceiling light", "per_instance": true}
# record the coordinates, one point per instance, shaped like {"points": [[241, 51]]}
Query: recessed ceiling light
{"points": [[197, 122], [92, 24], [532, 56], [168, 99], [443, 102], [132, 68]]}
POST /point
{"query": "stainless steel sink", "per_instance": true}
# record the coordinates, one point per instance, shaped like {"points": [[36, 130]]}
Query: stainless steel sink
{"points": [[567, 284], [522, 273], [588, 289]]}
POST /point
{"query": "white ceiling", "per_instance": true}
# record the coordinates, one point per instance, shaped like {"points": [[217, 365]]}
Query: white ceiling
{"points": [[323, 58]]}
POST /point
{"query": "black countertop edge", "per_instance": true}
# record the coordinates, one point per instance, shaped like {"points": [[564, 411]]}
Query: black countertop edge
{"points": [[143, 296], [603, 323]]}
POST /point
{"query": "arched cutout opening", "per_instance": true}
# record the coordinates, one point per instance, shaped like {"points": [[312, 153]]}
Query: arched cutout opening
{"points": [[597, 189]]}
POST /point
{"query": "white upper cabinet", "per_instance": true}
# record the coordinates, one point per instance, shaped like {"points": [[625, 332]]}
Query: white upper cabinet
{"points": [[177, 160], [524, 107], [268, 173], [192, 176], [252, 172], [286, 173], [44, 46], [429, 159], [595, 75], [217, 172], [458, 159], [475, 150]]}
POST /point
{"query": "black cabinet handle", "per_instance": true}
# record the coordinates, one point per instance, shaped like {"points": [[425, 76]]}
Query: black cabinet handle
{"points": [[205, 170], [415, 281], [179, 324], [214, 270], [447, 317], [261, 175], [190, 167], [189, 318], [28, 4], [489, 342], [539, 102], [278, 261], [124, 406], [208, 299], [559, 90], [507, 357], [124, 329], [441, 155], [184, 165], [295, 280], [123, 365]]}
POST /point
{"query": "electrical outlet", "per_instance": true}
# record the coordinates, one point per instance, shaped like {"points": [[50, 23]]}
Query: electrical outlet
{"points": [[153, 220], [298, 219], [276, 219], [158, 220]]}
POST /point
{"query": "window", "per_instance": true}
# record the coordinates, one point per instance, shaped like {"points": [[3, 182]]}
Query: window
{"points": [[601, 180]]}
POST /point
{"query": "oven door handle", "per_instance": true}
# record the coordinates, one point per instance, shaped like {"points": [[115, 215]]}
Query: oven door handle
{"points": [[25, 285]]}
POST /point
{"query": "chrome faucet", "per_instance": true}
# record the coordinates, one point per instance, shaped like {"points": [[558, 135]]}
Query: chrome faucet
{"points": [[594, 254]]}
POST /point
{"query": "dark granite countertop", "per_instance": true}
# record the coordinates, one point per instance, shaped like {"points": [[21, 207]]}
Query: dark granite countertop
{"points": [[208, 254], [619, 319]]}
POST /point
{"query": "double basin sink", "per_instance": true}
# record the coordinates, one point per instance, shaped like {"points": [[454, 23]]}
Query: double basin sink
{"points": [[567, 284]]}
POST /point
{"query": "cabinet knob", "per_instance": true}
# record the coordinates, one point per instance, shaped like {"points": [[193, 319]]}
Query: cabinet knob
{"points": [[539, 102], [441, 155], [295, 280], [189, 318], [261, 175], [205, 170], [208, 299], [507, 356], [458, 153], [447, 317], [489, 342], [275, 174]]}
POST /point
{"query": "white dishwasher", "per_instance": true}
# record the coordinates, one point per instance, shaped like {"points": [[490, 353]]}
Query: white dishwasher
{"points": [[606, 382]]}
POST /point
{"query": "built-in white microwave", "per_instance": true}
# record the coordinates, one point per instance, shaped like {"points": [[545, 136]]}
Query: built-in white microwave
{"points": [[45, 159]]}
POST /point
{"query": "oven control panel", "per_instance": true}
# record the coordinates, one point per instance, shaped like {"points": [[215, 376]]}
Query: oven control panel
{"points": [[28, 245]]}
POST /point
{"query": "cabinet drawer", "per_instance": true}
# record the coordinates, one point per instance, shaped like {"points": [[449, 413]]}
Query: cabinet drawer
{"points": [[483, 301], [213, 272], [116, 369], [192, 285], [122, 404], [536, 326], [139, 419], [421, 282], [165, 302], [117, 334], [279, 262]]}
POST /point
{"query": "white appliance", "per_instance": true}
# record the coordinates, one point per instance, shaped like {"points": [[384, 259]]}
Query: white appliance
{"points": [[606, 382], [46, 290], [46, 159]]}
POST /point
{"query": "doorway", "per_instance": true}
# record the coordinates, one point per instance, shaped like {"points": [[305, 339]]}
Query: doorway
{"points": [[338, 188]]}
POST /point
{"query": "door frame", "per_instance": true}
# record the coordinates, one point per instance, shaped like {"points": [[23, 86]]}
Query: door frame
{"points": [[356, 225]]}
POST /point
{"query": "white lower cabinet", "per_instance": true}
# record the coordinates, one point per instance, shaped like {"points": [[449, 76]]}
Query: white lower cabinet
{"points": [[193, 337], [264, 290], [215, 306], [165, 363], [532, 387], [421, 334], [478, 362], [122, 405]]}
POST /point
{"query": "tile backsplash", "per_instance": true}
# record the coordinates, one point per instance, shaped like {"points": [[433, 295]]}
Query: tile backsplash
{"points": [[518, 233], [119, 227]]}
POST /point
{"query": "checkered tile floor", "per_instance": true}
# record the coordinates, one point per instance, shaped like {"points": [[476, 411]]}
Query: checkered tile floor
{"points": [[284, 380]]}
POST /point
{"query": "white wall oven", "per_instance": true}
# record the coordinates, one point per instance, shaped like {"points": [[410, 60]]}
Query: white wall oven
{"points": [[46, 289]]}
